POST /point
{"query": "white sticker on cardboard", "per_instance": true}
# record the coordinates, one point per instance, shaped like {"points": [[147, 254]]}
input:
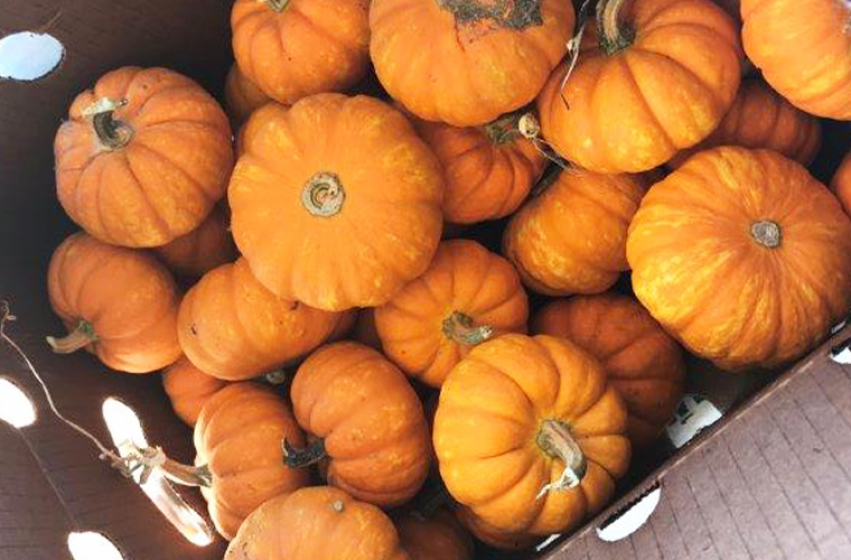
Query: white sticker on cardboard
{"points": [[694, 414]]}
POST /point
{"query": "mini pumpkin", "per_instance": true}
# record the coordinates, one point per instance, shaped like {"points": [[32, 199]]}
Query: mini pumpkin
{"points": [[572, 237], [233, 328], [242, 96], [529, 434], [643, 363], [653, 77], [466, 62], [143, 157], [466, 296], [743, 256], [491, 536], [437, 537], [202, 249], [343, 216], [841, 183], [188, 388], [118, 303], [366, 419]]}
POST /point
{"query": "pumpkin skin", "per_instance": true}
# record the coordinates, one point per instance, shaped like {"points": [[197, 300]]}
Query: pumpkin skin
{"points": [[810, 65], [493, 537], [355, 247], [439, 537], [242, 96], [742, 256], [319, 523], [233, 328], [667, 90], [158, 175], [188, 388], [643, 363], [572, 237], [370, 419], [491, 427], [202, 249], [485, 66], [118, 303], [294, 48], [466, 296], [841, 183], [238, 436]]}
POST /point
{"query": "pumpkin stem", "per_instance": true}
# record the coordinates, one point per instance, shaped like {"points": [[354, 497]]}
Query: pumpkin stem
{"points": [[82, 335], [462, 329], [513, 14], [614, 34], [323, 195], [507, 128], [278, 5], [112, 134], [555, 440], [296, 458], [767, 233], [276, 377]]}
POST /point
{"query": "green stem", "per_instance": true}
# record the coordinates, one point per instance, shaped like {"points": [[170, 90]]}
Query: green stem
{"points": [[278, 5], [297, 458], [82, 335], [555, 439], [615, 34], [112, 134], [463, 329]]}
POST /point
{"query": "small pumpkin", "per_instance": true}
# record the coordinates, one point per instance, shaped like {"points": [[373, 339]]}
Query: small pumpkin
{"points": [[466, 62], [366, 420], [841, 183], [202, 249], [491, 536], [572, 237], [118, 303], [343, 216], [466, 296], [319, 523], [653, 77], [143, 157], [643, 363], [188, 388], [242, 96], [803, 49], [233, 328], [437, 537], [294, 48], [529, 434], [743, 256]]}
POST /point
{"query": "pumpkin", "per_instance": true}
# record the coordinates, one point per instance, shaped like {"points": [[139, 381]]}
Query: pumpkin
{"points": [[118, 303], [188, 388], [643, 363], [743, 256], [572, 237], [653, 77], [489, 170], [343, 216], [238, 438], [466, 62], [466, 296], [294, 48], [491, 536], [438, 537], [143, 157], [202, 249], [366, 420], [759, 118], [242, 96], [233, 328], [319, 523], [803, 49], [365, 331], [530, 435], [841, 183]]}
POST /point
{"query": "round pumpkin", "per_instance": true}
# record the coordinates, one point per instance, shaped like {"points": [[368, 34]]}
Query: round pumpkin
{"points": [[118, 303], [143, 157], [238, 437], [571, 238], [438, 537], [366, 419], [233, 328], [491, 536], [202, 249], [188, 388], [466, 296], [466, 62], [343, 216], [643, 363], [841, 183], [529, 434], [743, 256], [319, 523], [803, 49], [653, 77], [242, 96], [294, 48]]}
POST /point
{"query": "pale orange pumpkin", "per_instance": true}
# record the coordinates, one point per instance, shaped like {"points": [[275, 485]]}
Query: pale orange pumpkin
{"points": [[841, 183], [242, 96], [202, 249], [188, 388], [437, 537]]}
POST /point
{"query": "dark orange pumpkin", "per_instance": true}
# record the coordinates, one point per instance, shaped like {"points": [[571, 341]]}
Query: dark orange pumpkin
{"points": [[437, 537], [841, 183], [188, 388], [202, 249], [242, 96]]}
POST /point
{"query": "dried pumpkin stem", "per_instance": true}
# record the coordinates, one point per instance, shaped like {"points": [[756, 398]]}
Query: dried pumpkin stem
{"points": [[323, 195], [506, 128], [463, 329], [555, 439], [82, 335], [112, 134], [767, 233], [278, 5], [614, 33], [297, 458]]}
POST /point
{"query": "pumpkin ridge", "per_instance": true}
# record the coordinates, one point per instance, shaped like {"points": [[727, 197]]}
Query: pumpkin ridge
{"points": [[137, 112], [230, 402], [192, 180], [237, 314], [103, 229], [163, 226], [575, 414], [649, 111]]}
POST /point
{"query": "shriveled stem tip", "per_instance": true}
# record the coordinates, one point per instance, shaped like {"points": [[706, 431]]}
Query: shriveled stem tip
{"points": [[462, 329], [323, 195], [112, 134], [82, 335], [297, 458], [555, 439], [767, 233], [614, 33], [278, 5]]}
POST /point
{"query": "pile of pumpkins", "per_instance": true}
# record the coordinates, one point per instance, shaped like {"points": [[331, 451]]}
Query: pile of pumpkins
{"points": [[311, 244]]}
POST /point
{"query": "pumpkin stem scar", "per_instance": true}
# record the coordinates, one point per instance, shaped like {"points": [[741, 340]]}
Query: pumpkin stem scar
{"points": [[615, 35], [462, 329], [296, 458], [82, 335], [767, 233], [323, 195], [276, 377], [513, 14], [507, 128], [112, 134], [278, 5], [338, 506], [555, 440]]}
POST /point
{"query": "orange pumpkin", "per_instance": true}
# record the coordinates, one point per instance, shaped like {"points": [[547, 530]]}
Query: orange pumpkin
{"points": [[841, 183], [743, 256], [653, 77], [365, 331], [238, 437], [233, 328], [572, 237], [118, 303], [367, 421], [643, 363], [202, 249], [294, 48], [242, 96], [344, 216], [188, 388], [529, 434], [438, 537], [803, 49], [319, 523], [466, 296], [467, 62], [491, 536], [143, 157]]}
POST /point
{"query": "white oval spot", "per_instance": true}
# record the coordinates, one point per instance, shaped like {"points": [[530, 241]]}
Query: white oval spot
{"points": [[92, 546], [28, 56], [633, 518], [16, 407]]}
